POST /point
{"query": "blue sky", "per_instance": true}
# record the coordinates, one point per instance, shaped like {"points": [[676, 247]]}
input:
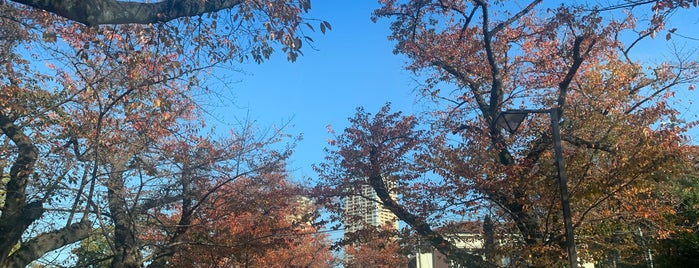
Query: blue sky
{"points": [[354, 66]]}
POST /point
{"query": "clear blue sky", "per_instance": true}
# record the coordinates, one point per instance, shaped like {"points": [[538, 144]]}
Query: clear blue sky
{"points": [[353, 66]]}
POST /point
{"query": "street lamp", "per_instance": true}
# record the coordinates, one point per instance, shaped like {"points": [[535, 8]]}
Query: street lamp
{"points": [[510, 120]]}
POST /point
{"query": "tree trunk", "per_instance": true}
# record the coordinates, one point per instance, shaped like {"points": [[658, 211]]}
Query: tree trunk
{"points": [[164, 254], [17, 214], [126, 253]]}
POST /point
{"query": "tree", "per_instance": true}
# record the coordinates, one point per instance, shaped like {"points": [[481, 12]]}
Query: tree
{"points": [[681, 249], [374, 247], [176, 189], [269, 226], [479, 59], [89, 117], [380, 148], [188, 175]]}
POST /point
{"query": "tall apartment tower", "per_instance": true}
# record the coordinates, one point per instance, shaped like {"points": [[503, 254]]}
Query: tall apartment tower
{"points": [[362, 210]]}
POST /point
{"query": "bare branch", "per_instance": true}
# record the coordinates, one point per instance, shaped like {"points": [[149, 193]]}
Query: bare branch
{"points": [[515, 17], [40, 245]]}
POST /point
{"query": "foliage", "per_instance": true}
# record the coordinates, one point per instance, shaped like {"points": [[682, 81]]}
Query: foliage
{"points": [[375, 247], [681, 249], [478, 59], [95, 251], [234, 25], [269, 226]]}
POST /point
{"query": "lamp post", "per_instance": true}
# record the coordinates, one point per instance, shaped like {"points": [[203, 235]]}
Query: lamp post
{"points": [[510, 120]]}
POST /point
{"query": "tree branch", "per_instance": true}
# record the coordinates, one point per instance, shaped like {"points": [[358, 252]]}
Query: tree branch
{"points": [[40, 245], [588, 144], [97, 12], [578, 59], [418, 224], [515, 17]]}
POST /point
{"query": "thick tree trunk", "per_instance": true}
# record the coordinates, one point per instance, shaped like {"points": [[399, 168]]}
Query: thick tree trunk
{"points": [[126, 253], [17, 214]]}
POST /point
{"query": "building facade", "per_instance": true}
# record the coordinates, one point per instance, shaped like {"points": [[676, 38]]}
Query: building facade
{"points": [[363, 209]]}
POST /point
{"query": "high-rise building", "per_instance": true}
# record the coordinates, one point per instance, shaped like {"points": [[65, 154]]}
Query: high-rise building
{"points": [[364, 209]]}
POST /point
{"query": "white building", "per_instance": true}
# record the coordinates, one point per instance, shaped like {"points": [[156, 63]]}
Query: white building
{"points": [[363, 209], [472, 241]]}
